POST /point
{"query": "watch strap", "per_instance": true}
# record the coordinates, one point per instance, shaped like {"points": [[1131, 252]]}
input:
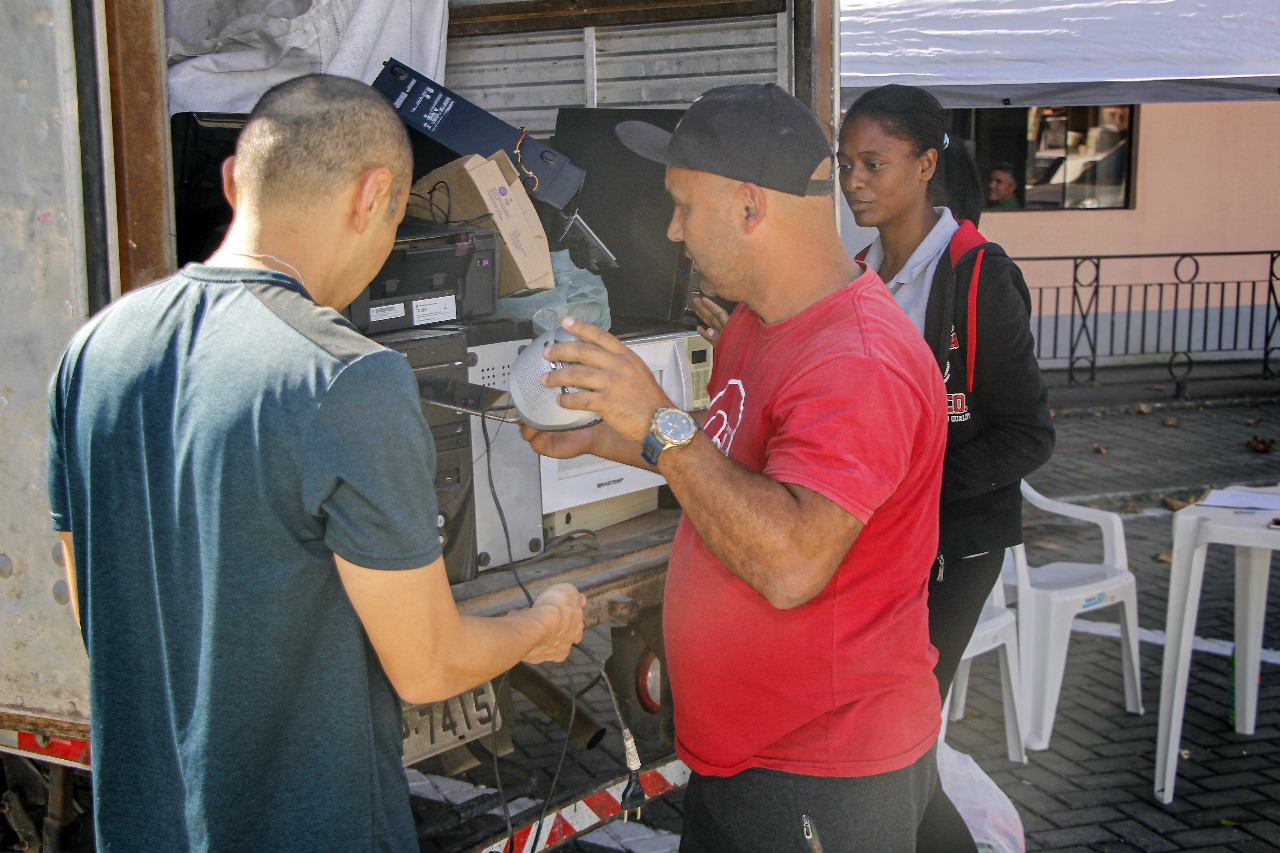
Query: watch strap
{"points": [[650, 448], [655, 441]]}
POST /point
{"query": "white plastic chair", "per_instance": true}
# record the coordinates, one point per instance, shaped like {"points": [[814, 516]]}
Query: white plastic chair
{"points": [[997, 630], [1049, 599]]}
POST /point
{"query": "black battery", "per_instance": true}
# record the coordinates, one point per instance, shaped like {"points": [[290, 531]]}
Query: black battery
{"points": [[464, 128], [435, 273]]}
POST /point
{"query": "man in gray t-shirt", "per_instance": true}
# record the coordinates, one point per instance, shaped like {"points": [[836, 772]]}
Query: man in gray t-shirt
{"points": [[244, 489]]}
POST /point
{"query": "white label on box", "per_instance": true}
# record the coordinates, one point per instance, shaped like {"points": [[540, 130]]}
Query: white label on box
{"points": [[386, 312], [434, 310], [500, 202]]}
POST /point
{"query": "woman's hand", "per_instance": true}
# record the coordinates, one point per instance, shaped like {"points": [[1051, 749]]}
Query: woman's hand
{"points": [[713, 317]]}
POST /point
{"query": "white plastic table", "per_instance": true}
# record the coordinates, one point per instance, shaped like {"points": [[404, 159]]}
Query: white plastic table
{"points": [[1194, 528]]}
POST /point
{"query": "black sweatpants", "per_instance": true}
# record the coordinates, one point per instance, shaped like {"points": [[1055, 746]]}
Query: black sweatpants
{"points": [[955, 605], [767, 811]]}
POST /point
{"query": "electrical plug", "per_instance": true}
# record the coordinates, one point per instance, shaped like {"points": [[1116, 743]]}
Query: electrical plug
{"points": [[633, 795]]}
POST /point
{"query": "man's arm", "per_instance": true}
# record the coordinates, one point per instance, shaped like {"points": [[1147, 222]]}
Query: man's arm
{"points": [[69, 563], [430, 651], [376, 515], [599, 439], [784, 540]]}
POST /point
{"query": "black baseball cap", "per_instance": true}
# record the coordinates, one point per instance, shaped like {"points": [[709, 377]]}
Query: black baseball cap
{"points": [[757, 133]]}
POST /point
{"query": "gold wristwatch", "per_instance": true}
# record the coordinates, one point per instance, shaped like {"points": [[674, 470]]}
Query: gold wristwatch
{"points": [[669, 428]]}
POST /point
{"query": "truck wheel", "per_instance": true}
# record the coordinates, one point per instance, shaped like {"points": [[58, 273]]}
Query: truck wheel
{"points": [[637, 670]]}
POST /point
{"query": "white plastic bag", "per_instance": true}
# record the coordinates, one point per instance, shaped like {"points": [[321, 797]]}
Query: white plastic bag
{"points": [[578, 293], [987, 811]]}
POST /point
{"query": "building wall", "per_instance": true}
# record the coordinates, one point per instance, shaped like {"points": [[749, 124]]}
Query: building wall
{"points": [[1207, 179], [43, 668]]}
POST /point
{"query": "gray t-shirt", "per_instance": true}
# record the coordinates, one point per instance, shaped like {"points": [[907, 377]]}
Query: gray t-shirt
{"points": [[215, 438]]}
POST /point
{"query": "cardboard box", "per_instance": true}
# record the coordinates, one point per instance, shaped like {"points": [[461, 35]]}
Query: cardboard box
{"points": [[481, 187]]}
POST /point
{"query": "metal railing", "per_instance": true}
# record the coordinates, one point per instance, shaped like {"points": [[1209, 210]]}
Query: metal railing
{"points": [[1118, 309]]}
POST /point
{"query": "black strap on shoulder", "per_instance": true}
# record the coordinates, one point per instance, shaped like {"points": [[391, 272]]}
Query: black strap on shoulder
{"points": [[948, 324]]}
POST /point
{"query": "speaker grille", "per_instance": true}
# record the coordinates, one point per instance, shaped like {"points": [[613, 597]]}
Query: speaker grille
{"points": [[538, 397]]}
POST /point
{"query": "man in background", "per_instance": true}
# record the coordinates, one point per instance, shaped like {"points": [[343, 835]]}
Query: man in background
{"points": [[244, 489], [1002, 187]]}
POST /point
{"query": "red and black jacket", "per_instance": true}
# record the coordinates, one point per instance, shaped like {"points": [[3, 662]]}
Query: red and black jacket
{"points": [[978, 325]]}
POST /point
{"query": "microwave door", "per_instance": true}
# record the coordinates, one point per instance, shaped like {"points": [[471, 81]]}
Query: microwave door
{"points": [[668, 360]]}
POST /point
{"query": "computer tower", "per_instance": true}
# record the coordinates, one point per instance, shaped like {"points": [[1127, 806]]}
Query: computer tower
{"points": [[442, 353], [491, 349]]}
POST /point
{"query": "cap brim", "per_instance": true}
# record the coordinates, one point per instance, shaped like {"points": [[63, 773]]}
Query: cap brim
{"points": [[651, 143]]}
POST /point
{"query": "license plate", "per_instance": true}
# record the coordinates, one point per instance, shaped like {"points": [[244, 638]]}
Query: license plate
{"points": [[439, 726]]}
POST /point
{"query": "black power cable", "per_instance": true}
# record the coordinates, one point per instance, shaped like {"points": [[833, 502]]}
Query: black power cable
{"points": [[633, 795], [443, 214]]}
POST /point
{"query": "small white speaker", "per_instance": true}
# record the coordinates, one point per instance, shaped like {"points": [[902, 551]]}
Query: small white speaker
{"points": [[538, 405]]}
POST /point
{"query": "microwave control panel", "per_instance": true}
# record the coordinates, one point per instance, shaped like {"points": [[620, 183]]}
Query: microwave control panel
{"points": [[700, 356]]}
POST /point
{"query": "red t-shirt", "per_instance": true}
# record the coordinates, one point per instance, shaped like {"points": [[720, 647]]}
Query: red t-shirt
{"points": [[846, 400]]}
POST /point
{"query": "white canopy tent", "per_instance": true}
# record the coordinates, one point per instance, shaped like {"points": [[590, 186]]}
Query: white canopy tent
{"points": [[223, 54], [992, 53]]}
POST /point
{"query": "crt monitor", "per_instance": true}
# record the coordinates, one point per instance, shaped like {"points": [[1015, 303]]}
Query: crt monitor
{"points": [[626, 204]]}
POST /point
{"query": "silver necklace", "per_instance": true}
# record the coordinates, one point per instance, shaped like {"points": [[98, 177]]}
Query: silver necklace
{"points": [[263, 256]]}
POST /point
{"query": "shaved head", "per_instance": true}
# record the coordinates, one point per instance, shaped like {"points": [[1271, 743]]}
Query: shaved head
{"points": [[310, 137]]}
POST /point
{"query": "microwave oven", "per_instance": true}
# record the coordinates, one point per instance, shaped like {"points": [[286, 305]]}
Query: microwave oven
{"points": [[681, 362]]}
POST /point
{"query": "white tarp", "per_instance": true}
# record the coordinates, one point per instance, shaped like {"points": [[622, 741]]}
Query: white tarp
{"points": [[223, 54], [978, 53]]}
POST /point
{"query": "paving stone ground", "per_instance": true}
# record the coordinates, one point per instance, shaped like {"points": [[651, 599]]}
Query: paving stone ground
{"points": [[1092, 789]]}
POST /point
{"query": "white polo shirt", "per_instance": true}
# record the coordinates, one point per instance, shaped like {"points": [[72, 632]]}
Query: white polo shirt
{"points": [[911, 286]]}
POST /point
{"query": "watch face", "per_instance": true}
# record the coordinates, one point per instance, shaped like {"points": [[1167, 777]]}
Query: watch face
{"points": [[676, 426]]}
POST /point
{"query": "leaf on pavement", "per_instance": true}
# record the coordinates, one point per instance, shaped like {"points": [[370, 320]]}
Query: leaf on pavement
{"points": [[1258, 444]]}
